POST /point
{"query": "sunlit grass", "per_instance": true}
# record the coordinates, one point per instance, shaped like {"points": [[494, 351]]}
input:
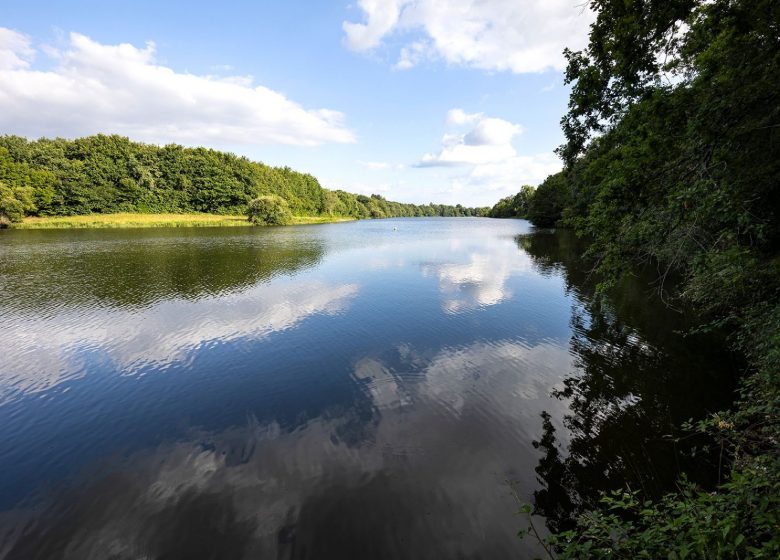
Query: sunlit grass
{"points": [[301, 220], [130, 220]]}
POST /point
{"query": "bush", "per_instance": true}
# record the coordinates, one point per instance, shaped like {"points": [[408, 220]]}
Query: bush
{"points": [[738, 521], [270, 210], [14, 204]]}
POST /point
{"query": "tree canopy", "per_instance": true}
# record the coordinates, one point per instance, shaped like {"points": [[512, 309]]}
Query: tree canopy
{"points": [[672, 159], [516, 206], [271, 210], [104, 174]]}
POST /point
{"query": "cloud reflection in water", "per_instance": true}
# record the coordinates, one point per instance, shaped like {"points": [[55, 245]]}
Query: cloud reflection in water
{"points": [[480, 281], [391, 479], [43, 351]]}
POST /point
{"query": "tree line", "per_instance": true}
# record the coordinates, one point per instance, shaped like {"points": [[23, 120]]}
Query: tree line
{"points": [[542, 205], [109, 173], [672, 160]]}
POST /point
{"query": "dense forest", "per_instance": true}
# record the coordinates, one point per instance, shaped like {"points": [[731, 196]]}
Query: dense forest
{"points": [[672, 160], [105, 174]]}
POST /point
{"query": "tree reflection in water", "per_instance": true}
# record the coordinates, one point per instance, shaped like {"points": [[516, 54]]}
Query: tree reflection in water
{"points": [[637, 377], [136, 268]]}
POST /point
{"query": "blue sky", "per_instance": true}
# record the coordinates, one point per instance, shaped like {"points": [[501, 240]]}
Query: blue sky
{"points": [[418, 100]]}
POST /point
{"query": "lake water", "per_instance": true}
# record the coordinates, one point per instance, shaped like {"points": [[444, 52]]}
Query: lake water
{"points": [[374, 389]]}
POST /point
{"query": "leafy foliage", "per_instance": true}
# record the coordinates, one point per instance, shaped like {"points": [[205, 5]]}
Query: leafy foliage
{"points": [[108, 174], [672, 160], [516, 206], [739, 521], [629, 393], [14, 202], [550, 199], [271, 210]]}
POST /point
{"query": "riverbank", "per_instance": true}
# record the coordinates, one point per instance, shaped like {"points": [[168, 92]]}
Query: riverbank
{"points": [[132, 220]]}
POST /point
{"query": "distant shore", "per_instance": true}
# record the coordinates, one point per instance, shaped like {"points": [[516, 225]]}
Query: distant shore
{"points": [[132, 220]]}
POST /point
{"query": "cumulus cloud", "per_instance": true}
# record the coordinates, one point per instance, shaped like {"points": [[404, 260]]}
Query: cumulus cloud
{"points": [[381, 18], [459, 116], [508, 175], [15, 50], [475, 164], [489, 140], [123, 89], [492, 132], [482, 146], [503, 35]]}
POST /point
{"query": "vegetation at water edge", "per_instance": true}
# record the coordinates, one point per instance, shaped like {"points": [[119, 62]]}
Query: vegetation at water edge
{"points": [[269, 210], [111, 174], [672, 160]]}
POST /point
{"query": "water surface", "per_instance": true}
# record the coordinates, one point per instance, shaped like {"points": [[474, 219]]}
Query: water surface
{"points": [[354, 390]]}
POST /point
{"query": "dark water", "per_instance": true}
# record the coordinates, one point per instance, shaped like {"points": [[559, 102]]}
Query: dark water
{"points": [[358, 390]]}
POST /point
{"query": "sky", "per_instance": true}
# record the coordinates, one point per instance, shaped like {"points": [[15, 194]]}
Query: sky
{"points": [[446, 101]]}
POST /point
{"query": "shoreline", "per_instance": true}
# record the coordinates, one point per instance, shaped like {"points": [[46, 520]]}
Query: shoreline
{"points": [[134, 220]]}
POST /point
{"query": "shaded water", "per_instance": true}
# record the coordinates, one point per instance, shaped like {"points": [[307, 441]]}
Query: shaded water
{"points": [[356, 390]]}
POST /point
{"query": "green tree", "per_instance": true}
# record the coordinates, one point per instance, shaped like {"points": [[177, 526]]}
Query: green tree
{"points": [[14, 204], [672, 159], [271, 210], [516, 206], [549, 201], [102, 174]]}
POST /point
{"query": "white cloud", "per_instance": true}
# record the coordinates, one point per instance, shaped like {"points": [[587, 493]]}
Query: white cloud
{"points": [[413, 54], [459, 153], [459, 116], [381, 15], [490, 161], [122, 89], [488, 141], [503, 35], [492, 132], [15, 50], [507, 176], [475, 164]]}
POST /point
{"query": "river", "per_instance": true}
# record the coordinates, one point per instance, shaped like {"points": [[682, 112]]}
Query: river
{"points": [[373, 389]]}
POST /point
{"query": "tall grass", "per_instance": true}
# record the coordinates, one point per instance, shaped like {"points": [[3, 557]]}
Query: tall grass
{"points": [[131, 220]]}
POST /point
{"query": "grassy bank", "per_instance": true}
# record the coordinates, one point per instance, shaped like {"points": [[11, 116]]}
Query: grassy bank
{"points": [[302, 220], [130, 220]]}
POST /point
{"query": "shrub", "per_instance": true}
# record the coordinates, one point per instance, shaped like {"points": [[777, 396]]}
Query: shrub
{"points": [[271, 210], [14, 204]]}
